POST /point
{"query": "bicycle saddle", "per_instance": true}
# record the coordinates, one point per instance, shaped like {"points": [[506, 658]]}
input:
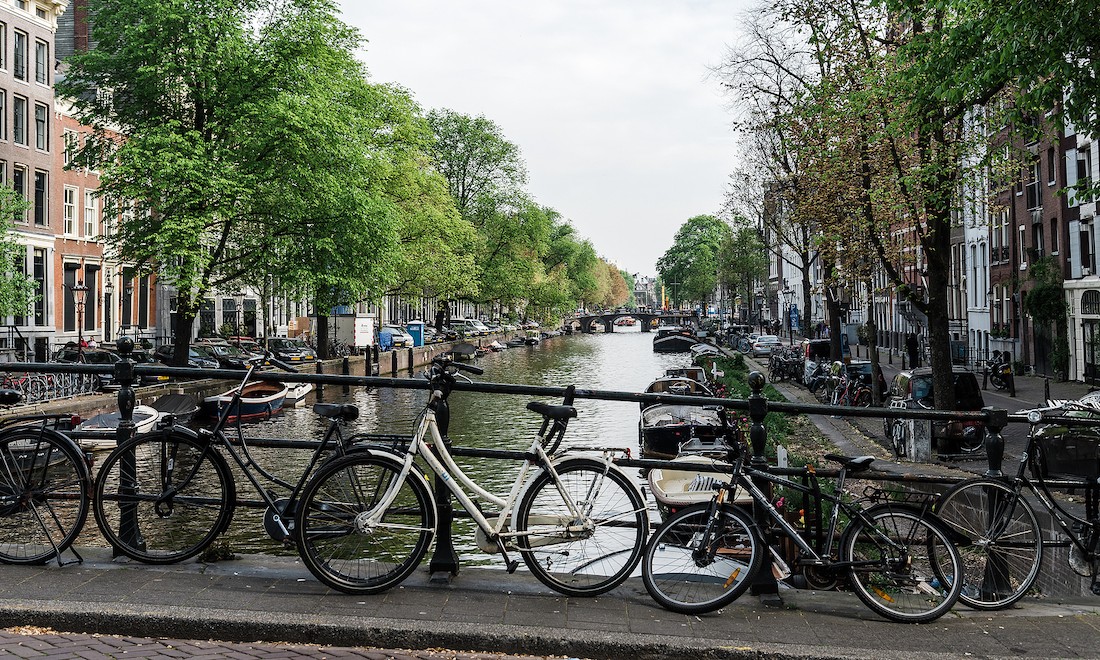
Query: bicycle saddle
{"points": [[851, 463], [552, 411], [10, 397], [344, 411]]}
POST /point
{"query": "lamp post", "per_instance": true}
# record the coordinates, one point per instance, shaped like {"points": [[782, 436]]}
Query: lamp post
{"points": [[238, 302], [79, 288], [108, 289], [787, 293]]}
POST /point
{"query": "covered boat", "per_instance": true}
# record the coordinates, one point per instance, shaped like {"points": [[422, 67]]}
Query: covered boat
{"points": [[674, 339], [663, 428], [182, 407], [296, 394], [145, 420], [678, 385], [674, 489], [259, 400]]}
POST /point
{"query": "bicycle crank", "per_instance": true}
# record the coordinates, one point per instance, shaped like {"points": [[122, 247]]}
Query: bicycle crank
{"points": [[278, 522]]}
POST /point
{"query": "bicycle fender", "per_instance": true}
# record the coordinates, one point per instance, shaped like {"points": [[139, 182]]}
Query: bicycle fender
{"points": [[62, 439]]}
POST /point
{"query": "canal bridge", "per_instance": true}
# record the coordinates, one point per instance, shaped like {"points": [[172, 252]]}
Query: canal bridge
{"points": [[645, 318]]}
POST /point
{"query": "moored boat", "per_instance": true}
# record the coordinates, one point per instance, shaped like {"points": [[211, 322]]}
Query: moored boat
{"points": [[145, 420], [674, 489], [259, 400], [296, 394], [663, 428], [182, 407], [679, 385], [674, 339]]}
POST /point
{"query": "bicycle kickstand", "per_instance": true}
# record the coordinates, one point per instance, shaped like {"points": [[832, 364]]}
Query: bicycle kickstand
{"points": [[510, 564]]}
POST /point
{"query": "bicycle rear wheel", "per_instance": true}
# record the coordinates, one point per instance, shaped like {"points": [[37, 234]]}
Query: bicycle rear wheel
{"points": [[590, 555], [339, 543], [1002, 548], [163, 497], [684, 576], [43, 495], [904, 566]]}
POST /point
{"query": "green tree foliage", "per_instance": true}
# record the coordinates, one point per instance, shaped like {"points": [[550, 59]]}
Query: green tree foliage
{"points": [[742, 259], [16, 287], [690, 266], [476, 159], [249, 140]]}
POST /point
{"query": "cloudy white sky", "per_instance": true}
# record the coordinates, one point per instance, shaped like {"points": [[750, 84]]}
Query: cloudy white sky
{"points": [[621, 127]]}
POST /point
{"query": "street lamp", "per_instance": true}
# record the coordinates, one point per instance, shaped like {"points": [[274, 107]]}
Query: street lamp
{"points": [[79, 288], [238, 302], [108, 289], [787, 294]]}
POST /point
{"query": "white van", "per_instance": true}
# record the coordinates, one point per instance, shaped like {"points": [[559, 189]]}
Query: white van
{"points": [[470, 327]]}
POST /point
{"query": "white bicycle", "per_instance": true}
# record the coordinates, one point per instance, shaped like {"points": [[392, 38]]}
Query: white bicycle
{"points": [[579, 522]]}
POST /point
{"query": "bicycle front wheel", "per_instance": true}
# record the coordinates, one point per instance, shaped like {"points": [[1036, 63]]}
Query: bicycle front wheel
{"points": [[163, 497], [903, 565], [686, 573], [1002, 544], [43, 495], [594, 551], [341, 539]]}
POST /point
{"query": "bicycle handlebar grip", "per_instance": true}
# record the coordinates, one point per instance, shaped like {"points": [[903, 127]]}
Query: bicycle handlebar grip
{"points": [[477, 371], [282, 365]]}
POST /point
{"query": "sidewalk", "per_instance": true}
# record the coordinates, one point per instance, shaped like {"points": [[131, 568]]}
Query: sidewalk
{"points": [[487, 611]]}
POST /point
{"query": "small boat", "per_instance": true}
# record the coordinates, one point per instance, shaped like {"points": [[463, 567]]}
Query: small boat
{"points": [[296, 394], [259, 400], [516, 342], [679, 385], [696, 373], [182, 407], [496, 346], [674, 339], [664, 427], [674, 489], [145, 420], [463, 351], [625, 321], [533, 337]]}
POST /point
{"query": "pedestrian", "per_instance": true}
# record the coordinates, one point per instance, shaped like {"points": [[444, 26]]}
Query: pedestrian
{"points": [[912, 347], [92, 343]]}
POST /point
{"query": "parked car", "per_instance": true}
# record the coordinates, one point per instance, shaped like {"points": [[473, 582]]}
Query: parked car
{"points": [[73, 354], [227, 355], [764, 345], [196, 357], [912, 390], [470, 327], [399, 336], [143, 357], [306, 351], [289, 351]]}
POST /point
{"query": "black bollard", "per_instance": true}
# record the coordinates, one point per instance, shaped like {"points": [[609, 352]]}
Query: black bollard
{"points": [[320, 386], [347, 372], [764, 584], [996, 420], [444, 563], [128, 529]]}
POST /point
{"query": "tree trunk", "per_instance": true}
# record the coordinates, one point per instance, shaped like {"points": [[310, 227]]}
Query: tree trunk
{"points": [[323, 343], [181, 332]]}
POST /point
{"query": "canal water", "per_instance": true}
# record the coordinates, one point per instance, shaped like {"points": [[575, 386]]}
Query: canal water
{"points": [[621, 361]]}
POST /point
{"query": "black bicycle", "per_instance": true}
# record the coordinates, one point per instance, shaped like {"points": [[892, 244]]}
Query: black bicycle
{"points": [[897, 556], [165, 496]]}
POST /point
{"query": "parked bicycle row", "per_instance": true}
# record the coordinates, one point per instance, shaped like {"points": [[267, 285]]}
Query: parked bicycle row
{"points": [[362, 514]]}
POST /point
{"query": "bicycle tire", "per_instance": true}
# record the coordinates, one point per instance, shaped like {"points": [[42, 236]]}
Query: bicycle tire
{"points": [[334, 542], [906, 569], [678, 582], [1002, 547], [594, 561], [44, 494], [164, 530]]}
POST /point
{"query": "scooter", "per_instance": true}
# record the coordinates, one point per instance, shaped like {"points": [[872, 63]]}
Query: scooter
{"points": [[1000, 374]]}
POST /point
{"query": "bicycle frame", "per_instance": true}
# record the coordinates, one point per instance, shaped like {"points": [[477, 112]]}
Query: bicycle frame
{"points": [[441, 462]]}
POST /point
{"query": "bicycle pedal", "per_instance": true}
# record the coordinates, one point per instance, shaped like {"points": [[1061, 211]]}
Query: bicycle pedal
{"points": [[512, 566]]}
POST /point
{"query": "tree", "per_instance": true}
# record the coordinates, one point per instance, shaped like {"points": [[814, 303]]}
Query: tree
{"points": [[742, 260], [244, 136], [690, 266], [17, 290]]}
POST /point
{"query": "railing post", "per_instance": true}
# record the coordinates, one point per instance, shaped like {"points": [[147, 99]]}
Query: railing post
{"points": [[764, 584], [347, 372], [996, 420], [320, 386], [129, 529], [444, 562]]}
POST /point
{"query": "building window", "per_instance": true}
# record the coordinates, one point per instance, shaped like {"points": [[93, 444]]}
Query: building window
{"points": [[1052, 167], [1034, 201], [21, 4], [1037, 240], [39, 275], [3, 46], [42, 62], [1022, 251], [3, 115], [41, 127], [71, 140], [1090, 302], [1084, 172], [1054, 235], [1088, 266], [19, 44], [19, 185], [19, 120], [41, 199], [91, 214], [68, 209]]}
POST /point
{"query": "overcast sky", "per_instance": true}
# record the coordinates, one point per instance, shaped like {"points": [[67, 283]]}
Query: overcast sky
{"points": [[621, 127]]}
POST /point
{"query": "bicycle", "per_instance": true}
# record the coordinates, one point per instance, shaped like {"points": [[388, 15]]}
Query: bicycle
{"points": [[1002, 542], [44, 487], [578, 521], [165, 496], [898, 557]]}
